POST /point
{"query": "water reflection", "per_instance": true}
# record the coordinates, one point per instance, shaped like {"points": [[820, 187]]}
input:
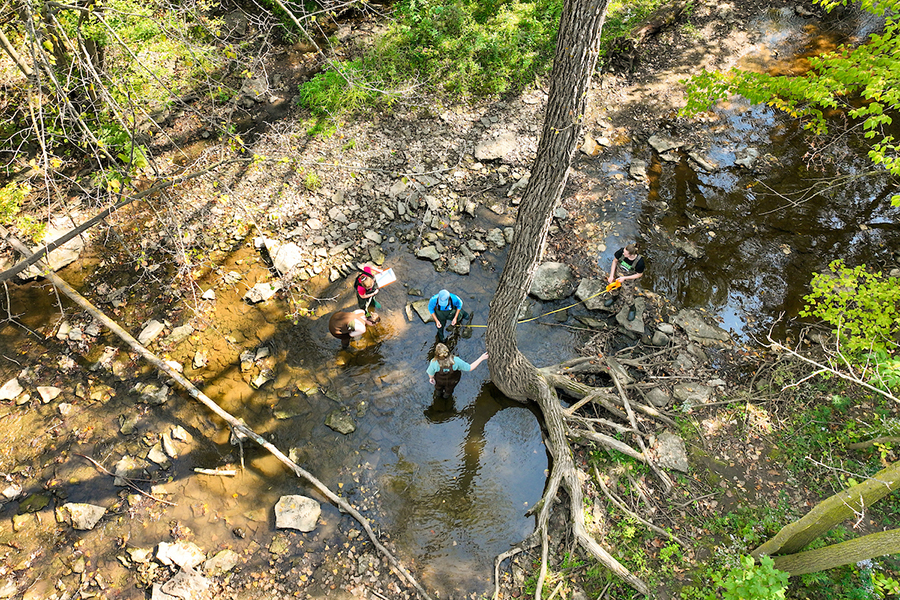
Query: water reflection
{"points": [[459, 477]]}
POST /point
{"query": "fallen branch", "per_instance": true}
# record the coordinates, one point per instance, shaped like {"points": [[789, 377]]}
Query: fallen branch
{"points": [[198, 395], [773, 345], [217, 472], [667, 483], [621, 506], [884, 439], [130, 482], [609, 442]]}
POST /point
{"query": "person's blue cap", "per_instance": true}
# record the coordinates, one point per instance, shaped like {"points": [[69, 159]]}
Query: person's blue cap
{"points": [[443, 295]]}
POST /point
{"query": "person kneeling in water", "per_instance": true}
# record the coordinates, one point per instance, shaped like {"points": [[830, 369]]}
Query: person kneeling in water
{"points": [[350, 325]]}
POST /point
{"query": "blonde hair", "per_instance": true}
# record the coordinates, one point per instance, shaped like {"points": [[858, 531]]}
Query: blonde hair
{"points": [[443, 356]]}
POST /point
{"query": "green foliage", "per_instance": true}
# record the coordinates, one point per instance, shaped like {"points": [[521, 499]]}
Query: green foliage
{"points": [[312, 181], [870, 71], [864, 310], [11, 197], [121, 144], [461, 48], [863, 581], [31, 228], [464, 48], [751, 581], [332, 92]]}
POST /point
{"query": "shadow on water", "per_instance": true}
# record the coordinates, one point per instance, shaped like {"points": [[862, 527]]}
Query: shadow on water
{"points": [[449, 480]]}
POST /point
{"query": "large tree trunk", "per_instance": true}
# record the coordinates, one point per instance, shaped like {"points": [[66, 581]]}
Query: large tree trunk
{"points": [[831, 511], [576, 56], [845, 553]]}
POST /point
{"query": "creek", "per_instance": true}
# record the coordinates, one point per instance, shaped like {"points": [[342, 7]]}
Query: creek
{"points": [[448, 480]]}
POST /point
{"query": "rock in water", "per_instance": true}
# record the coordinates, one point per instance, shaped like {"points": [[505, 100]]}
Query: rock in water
{"points": [[297, 512], [553, 281], [82, 516]]}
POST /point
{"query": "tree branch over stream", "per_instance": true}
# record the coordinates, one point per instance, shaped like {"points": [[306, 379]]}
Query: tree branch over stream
{"points": [[235, 424]]}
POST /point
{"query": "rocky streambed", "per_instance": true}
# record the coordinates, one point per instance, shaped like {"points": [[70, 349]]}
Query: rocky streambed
{"points": [[233, 274]]}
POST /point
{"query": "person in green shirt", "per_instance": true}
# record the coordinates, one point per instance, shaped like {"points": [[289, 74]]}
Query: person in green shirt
{"points": [[445, 370]]}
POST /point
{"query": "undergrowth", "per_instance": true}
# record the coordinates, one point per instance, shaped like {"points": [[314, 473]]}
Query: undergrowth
{"points": [[462, 49]]}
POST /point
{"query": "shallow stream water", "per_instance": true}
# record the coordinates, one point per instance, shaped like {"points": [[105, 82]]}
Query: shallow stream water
{"points": [[450, 480]]}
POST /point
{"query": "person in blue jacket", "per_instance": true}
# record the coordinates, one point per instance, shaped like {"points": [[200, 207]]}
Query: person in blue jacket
{"points": [[445, 370], [444, 307]]}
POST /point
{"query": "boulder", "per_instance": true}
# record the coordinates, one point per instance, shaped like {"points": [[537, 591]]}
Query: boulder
{"points": [[158, 455], [11, 492], [496, 148], [11, 389], [590, 292], [186, 555], [705, 163], [398, 189], [589, 145], [658, 397], [747, 158], [520, 184], [128, 467], [671, 452], [459, 265], [689, 248], [638, 170], [635, 327], [591, 322], [692, 394], [338, 248], [662, 143], [496, 237], [285, 257], [200, 359], [297, 512], [262, 292], [428, 253], [150, 332], [553, 281], [62, 256], [660, 339], [421, 308], [179, 334], [153, 394], [82, 517], [187, 584], [699, 330], [265, 376], [340, 421], [377, 255], [221, 563]]}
